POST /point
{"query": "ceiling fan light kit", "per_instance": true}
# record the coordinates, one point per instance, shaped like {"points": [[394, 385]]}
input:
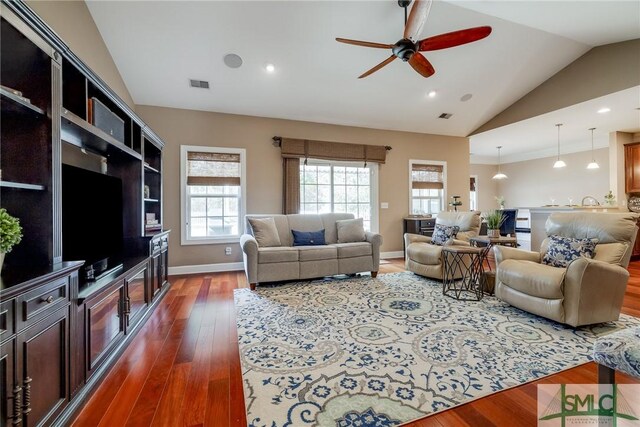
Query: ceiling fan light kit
{"points": [[409, 47]]}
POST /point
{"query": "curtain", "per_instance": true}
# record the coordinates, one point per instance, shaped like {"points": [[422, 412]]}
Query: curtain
{"points": [[291, 187], [472, 184], [426, 176], [325, 150], [220, 169]]}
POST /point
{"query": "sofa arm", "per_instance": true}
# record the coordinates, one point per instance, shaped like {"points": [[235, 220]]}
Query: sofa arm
{"points": [[249, 247], [502, 253], [593, 291], [376, 241], [410, 238]]}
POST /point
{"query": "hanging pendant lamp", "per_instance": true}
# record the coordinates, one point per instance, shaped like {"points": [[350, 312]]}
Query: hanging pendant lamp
{"points": [[499, 175], [593, 164], [559, 163]]}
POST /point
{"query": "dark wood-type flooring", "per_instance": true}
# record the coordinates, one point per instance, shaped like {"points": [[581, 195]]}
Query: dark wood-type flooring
{"points": [[183, 367]]}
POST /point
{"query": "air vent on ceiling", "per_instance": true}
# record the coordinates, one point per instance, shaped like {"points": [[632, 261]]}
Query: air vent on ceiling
{"points": [[445, 116], [199, 84]]}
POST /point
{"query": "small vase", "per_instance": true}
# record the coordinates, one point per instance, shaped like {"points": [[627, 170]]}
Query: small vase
{"points": [[493, 232]]}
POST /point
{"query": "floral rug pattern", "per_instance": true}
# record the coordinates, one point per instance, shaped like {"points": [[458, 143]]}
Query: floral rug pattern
{"points": [[384, 351]]}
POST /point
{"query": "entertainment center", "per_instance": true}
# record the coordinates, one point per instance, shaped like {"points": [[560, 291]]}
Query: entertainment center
{"points": [[83, 174]]}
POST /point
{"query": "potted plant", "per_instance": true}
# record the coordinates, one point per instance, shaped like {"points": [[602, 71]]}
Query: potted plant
{"points": [[10, 233], [500, 200], [610, 199], [494, 221]]}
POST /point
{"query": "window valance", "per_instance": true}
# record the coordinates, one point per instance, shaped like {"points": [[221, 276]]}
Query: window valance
{"points": [[326, 150], [424, 176]]}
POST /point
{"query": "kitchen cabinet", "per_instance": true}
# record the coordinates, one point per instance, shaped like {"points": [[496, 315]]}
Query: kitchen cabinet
{"points": [[632, 167]]}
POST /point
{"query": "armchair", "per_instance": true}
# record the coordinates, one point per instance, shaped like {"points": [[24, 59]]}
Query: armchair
{"points": [[587, 291], [424, 258]]}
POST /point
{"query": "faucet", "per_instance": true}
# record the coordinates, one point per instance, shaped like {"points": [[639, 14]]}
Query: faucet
{"points": [[592, 201]]}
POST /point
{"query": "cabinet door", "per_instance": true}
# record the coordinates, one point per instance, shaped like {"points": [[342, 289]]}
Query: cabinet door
{"points": [[104, 323], [42, 367], [9, 388], [164, 268], [632, 168], [156, 278], [136, 297]]}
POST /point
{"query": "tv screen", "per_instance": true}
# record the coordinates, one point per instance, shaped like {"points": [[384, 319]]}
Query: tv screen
{"points": [[91, 219]]}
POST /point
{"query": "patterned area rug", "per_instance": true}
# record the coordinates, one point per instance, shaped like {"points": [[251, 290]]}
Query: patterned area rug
{"points": [[379, 352]]}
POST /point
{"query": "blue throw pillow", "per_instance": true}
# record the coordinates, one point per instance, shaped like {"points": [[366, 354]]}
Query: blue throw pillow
{"points": [[442, 234], [308, 238], [563, 250]]}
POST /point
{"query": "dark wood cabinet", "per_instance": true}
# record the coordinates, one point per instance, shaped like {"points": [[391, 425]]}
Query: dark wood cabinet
{"points": [[422, 226], [62, 328], [632, 167]]}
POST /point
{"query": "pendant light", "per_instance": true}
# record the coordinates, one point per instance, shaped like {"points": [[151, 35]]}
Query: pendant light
{"points": [[559, 163], [499, 175], [593, 164]]}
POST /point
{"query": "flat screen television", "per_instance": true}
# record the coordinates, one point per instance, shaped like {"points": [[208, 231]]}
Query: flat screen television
{"points": [[91, 221]]}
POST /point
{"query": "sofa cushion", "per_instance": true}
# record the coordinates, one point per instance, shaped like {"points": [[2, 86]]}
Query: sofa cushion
{"points": [[277, 254], [350, 230], [562, 250], [443, 234], [424, 253], [611, 253], [354, 249], [265, 232], [308, 238], [316, 253], [531, 278]]}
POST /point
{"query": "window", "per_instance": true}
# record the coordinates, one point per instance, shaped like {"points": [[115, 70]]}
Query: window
{"points": [[213, 194], [428, 185], [340, 187], [473, 193]]}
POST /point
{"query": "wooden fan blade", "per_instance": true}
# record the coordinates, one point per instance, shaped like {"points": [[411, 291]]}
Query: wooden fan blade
{"points": [[417, 18], [455, 38], [422, 65], [377, 67], [365, 44]]}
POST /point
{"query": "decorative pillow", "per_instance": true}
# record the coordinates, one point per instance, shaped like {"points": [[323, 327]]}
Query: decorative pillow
{"points": [[563, 250], [308, 238], [442, 234], [350, 230], [265, 232]]}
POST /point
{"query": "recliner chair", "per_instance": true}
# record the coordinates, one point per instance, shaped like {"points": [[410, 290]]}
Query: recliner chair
{"points": [[424, 258], [587, 291]]}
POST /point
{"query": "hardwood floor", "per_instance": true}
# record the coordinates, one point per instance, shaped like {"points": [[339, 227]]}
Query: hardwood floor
{"points": [[183, 367]]}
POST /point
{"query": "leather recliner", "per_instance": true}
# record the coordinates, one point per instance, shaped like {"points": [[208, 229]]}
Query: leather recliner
{"points": [[424, 258], [587, 291]]}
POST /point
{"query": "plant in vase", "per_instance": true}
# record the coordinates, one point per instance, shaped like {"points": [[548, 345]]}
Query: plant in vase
{"points": [[609, 198], [500, 200], [10, 233], [494, 221]]}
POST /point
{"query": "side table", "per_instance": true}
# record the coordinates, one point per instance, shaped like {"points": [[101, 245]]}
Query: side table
{"points": [[463, 268]]}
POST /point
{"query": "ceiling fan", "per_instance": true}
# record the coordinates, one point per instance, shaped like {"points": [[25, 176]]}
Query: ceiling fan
{"points": [[408, 48]]}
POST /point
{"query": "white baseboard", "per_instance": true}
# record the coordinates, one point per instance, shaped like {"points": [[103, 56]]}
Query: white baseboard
{"points": [[394, 254], [206, 268]]}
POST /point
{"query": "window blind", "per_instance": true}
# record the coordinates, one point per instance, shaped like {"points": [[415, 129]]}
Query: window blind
{"points": [[426, 177], [221, 169]]}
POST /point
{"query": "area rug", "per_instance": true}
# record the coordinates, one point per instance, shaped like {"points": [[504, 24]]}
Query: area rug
{"points": [[380, 352]]}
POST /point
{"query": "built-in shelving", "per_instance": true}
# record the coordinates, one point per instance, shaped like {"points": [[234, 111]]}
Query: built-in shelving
{"points": [[152, 200], [148, 168], [22, 186], [81, 133], [12, 103]]}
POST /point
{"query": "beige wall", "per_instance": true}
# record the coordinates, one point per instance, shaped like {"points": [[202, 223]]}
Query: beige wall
{"points": [[533, 182], [601, 71], [487, 187], [72, 21], [264, 170]]}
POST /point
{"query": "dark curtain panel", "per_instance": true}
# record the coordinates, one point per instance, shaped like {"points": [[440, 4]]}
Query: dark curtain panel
{"points": [[291, 185]]}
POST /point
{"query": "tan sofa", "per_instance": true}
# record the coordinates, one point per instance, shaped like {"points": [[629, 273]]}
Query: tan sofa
{"points": [[425, 259], [287, 262], [587, 291]]}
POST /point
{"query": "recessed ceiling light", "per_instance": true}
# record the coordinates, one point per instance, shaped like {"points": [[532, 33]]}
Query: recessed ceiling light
{"points": [[604, 110], [270, 68], [432, 94], [466, 97], [232, 60]]}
